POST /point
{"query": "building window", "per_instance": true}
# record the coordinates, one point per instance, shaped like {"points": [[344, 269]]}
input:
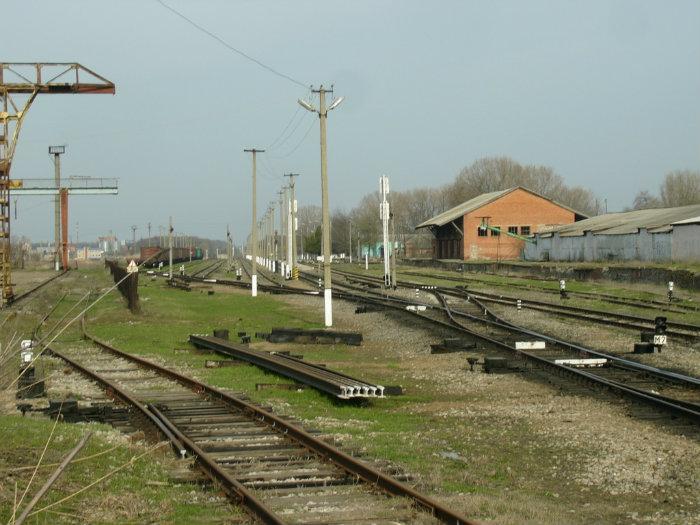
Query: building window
{"points": [[524, 230], [482, 232], [513, 229], [496, 231]]}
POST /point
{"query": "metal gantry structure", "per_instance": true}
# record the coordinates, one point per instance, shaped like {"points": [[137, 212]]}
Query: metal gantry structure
{"points": [[20, 84], [62, 189]]}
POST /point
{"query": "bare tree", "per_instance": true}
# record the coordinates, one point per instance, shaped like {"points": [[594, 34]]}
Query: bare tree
{"points": [[680, 188], [645, 200]]}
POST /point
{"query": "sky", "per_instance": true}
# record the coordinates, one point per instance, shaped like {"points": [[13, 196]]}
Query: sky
{"points": [[605, 92]]}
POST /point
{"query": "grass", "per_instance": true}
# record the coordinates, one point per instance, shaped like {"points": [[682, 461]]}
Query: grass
{"points": [[141, 493], [465, 452]]}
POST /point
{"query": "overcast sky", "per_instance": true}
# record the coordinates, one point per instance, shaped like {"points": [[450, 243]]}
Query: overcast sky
{"points": [[605, 92]]}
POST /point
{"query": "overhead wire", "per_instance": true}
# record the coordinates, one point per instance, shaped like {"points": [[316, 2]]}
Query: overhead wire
{"points": [[232, 48], [276, 144], [308, 130]]}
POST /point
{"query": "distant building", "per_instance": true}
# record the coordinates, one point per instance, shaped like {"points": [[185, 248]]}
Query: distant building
{"points": [[376, 249], [494, 225], [85, 253], [109, 244], [654, 235]]}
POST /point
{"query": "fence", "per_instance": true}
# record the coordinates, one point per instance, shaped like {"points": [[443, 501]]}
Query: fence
{"points": [[129, 287]]}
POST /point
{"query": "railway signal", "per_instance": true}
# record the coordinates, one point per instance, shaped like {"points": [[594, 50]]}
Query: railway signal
{"points": [[660, 326], [384, 214], [670, 291]]}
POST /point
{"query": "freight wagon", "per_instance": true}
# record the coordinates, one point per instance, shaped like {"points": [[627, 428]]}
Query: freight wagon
{"points": [[154, 255]]}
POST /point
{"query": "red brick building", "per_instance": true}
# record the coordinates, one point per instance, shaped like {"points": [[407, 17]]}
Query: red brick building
{"points": [[460, 232]]}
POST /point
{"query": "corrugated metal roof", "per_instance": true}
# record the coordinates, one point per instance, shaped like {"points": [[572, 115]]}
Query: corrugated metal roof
{"points": [[657, 220], [465, 207], [478, 202], [692, 220]]}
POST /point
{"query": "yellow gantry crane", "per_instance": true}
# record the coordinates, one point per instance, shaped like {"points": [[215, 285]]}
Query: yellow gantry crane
{"points": [[20, 84]]}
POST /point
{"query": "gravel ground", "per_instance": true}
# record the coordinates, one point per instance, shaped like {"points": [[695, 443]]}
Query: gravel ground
{"points": [[599, 449], [678, 355]]}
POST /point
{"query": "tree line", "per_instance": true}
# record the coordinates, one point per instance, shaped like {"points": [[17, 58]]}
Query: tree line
{"points": [[485, 175]]}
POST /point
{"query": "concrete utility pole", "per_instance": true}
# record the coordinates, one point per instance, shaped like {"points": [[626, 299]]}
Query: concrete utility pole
{"points": [[149, 234], [292, 228], [384, 213], [57, 151], [393, 252], [282, 231], [350, 240], [133, 237], [254, 241], [229, 248], [170, 248], [273, 236], [323, 116]]}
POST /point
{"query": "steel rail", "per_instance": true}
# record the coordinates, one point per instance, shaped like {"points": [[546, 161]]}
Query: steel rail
{"points": [[639, 303], [303, 438], [658, 372], [562, 309], [676, 406], [393, 302], [565, 310], [339, 385], [689, 409], [26, 294], [230, 484], [118, 392], [501, 323]]}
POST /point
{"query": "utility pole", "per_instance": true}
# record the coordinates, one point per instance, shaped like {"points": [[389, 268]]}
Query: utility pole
{"points": [[57, 151], [350, 240], [384, 213], [133, 237], [149, 234], [273, 236], [323, 116], [393, 252], [282, 231], [292, 228], [170, 249], [254, 242]]}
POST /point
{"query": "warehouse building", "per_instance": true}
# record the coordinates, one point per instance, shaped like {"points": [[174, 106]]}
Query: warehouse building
{"points": [[495, 225], [654, 235]]}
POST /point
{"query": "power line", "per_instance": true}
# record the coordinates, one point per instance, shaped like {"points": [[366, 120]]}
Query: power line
{"points": [[292, 132], [308, 130], [229, 46], [272, 145]]}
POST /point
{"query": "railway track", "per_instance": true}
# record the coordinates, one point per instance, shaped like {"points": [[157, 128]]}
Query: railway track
{"points": [[666, 391], [686, 331], [34, 289], [654, 304], [207, 269], [280, 472]]}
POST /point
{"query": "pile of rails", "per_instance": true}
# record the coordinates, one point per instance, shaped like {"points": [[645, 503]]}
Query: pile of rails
{"points": [[332, 382]]}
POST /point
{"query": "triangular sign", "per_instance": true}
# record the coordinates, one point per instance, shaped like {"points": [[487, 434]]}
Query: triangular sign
{"points": [[132, 268]]}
